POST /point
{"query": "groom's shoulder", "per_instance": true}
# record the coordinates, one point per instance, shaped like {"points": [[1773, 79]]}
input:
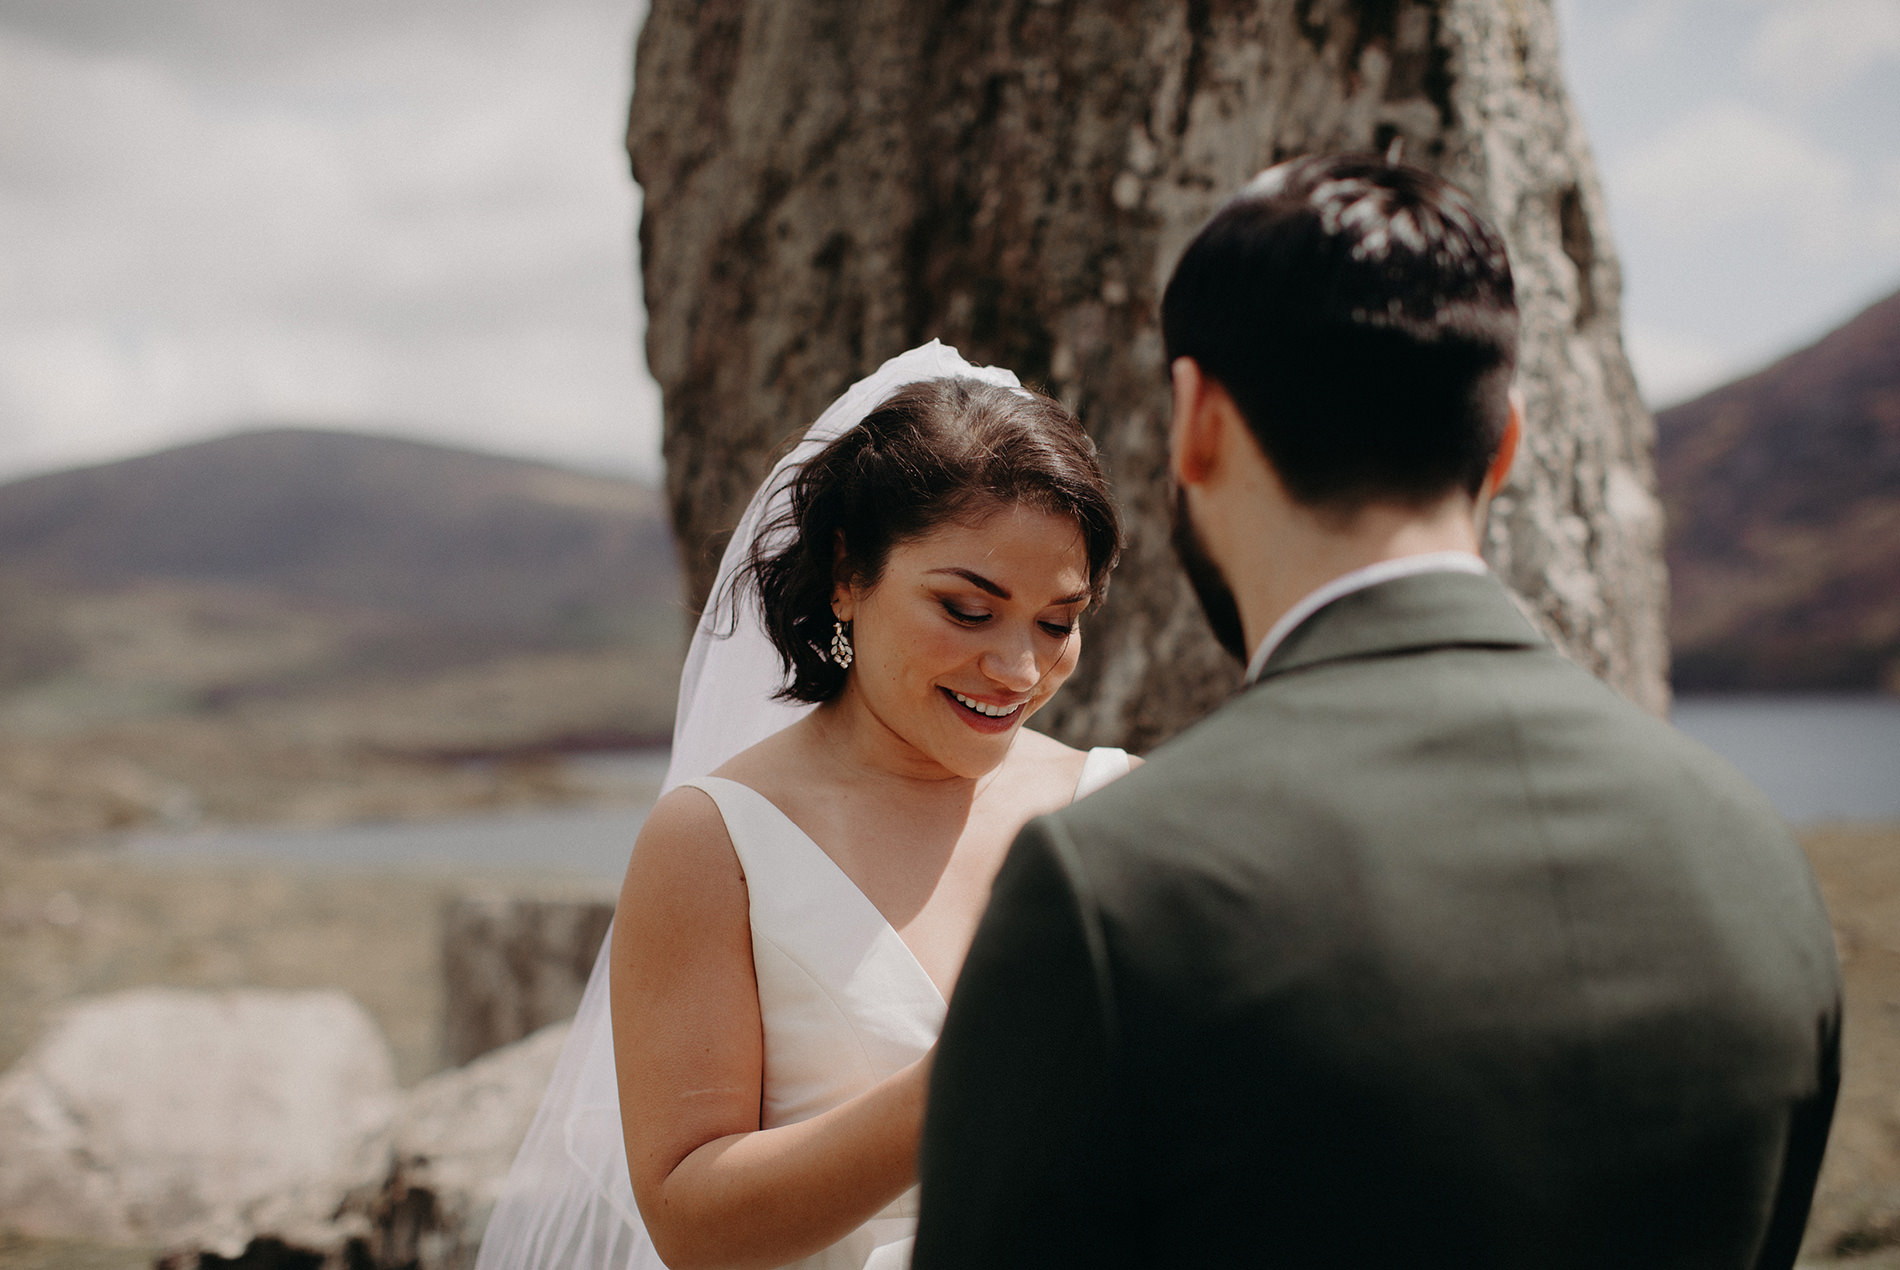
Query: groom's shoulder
{"points": [[1365, 753], [1203, 783]]}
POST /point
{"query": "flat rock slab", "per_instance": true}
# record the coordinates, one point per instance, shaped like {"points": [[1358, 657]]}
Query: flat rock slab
{"points": [[446, 1153], [162, 1116]]}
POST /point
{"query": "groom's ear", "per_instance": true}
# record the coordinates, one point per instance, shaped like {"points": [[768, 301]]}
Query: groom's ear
{"points": [[1197, 431], [1500, 469]]}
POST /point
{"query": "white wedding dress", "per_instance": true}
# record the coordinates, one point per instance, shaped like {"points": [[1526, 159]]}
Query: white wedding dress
{"points": [[843, 1001]]}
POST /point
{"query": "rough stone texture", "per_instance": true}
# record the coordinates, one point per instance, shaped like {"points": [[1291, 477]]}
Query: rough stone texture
{"points": [[440, 1163], [160, 1116], [828, 182], [512, 966], [451, 1146]]}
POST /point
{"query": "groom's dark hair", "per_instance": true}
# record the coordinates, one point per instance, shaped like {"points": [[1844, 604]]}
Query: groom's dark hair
{"points": [[1361, 315]]}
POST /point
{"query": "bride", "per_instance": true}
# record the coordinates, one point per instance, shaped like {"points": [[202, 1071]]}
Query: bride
{"points": [[744, 1084]]}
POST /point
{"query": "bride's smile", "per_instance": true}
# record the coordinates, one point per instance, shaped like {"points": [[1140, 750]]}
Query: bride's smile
{"points": [[987, 711], [968, 630]]}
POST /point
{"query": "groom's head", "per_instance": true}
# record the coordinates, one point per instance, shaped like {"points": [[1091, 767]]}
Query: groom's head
{"points": [[1360, 316]]}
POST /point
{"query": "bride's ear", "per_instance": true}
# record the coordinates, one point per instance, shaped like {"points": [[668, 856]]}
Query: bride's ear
{"points": [[844, 600]]}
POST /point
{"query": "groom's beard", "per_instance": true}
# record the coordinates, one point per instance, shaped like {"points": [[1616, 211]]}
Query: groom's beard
{"points": [[1210, 586]]}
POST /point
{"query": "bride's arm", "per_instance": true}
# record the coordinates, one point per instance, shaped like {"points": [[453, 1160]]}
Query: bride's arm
{"points": [[714, 1188]]}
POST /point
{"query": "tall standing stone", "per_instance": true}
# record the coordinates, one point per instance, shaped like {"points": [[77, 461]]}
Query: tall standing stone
{"points": [[829, 182]]}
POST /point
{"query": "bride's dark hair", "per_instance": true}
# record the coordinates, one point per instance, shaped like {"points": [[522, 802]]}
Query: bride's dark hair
{"points": [[934, 452]]}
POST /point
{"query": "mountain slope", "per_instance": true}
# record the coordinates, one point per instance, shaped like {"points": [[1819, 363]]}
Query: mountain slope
{"points": [[319, 627], [1783, 497], [482, 547]]}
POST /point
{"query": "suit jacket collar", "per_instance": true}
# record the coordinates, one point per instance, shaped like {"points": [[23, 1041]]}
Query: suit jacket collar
{"points": [[1429, 610]]}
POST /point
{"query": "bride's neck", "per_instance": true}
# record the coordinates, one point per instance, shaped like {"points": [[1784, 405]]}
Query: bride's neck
{"points": [[851, 738]]}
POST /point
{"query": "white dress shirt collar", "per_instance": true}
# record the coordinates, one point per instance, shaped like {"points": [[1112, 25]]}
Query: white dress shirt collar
{"points": [[1358, 580]]}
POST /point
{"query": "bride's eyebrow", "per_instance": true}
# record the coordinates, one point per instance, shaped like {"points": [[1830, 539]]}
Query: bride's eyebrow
{"points": [[978, 581], [1001, 592]]}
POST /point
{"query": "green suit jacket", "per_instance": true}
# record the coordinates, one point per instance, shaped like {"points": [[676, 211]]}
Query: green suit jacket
{"points": [[1425, 950]]}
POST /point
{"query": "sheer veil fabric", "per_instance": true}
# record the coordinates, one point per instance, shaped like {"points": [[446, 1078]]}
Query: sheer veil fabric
{"points": [[567, 1203]]}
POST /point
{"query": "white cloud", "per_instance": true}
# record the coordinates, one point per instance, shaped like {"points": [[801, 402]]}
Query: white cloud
{"points": [[1673, 365], [76, 394], [423, 226], [1887, 203], [1644, 30], [1727, 163], [1809, 48]]}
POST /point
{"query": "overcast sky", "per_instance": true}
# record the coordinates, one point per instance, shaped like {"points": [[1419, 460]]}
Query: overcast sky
{"points": [[416, 216], [1750, 152]]}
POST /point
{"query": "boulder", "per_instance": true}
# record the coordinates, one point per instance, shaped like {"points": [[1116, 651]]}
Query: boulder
{"points": [[446, 1152], [451, 1146], [512, 966], [162, 1116]]}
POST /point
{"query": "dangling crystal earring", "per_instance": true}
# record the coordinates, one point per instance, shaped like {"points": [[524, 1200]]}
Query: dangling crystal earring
{"points": [[841, 644]]}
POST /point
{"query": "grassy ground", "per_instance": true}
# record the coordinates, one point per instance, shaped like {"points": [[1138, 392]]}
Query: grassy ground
{"points": [[76, 926], [20, 1253], [1859, 1199]]}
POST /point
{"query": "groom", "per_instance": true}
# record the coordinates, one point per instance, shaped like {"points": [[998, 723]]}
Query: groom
{"points": [[1427, 949]]}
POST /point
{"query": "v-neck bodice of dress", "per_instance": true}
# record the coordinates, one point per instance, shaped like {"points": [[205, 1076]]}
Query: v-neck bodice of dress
{"points": [[843, 1001]]}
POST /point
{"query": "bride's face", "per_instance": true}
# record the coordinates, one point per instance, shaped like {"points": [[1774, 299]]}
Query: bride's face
{"points": [[969, 631]]}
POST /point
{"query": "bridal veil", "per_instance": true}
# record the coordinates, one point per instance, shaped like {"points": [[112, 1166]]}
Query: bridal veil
{"points": [[567, 1203]]}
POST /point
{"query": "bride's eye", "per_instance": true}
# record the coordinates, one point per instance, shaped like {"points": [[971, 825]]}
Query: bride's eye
{"points": [[965, 617], [1058, 629]]}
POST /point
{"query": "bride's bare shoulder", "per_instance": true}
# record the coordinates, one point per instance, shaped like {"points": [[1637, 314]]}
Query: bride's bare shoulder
{"points": [[1047, 765], [1052, 755], [768, 765], [684, 832], [1038, 747], [1048, 772]]}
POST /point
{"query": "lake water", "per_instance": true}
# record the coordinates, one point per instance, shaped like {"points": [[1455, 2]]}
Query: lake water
{"points": [[590, 843], [1817, 758], [587, 843]]}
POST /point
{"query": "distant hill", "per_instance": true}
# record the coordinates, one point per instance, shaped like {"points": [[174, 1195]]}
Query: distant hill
{"points": [[472, 547], [307, 627], [1783, 497]]}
